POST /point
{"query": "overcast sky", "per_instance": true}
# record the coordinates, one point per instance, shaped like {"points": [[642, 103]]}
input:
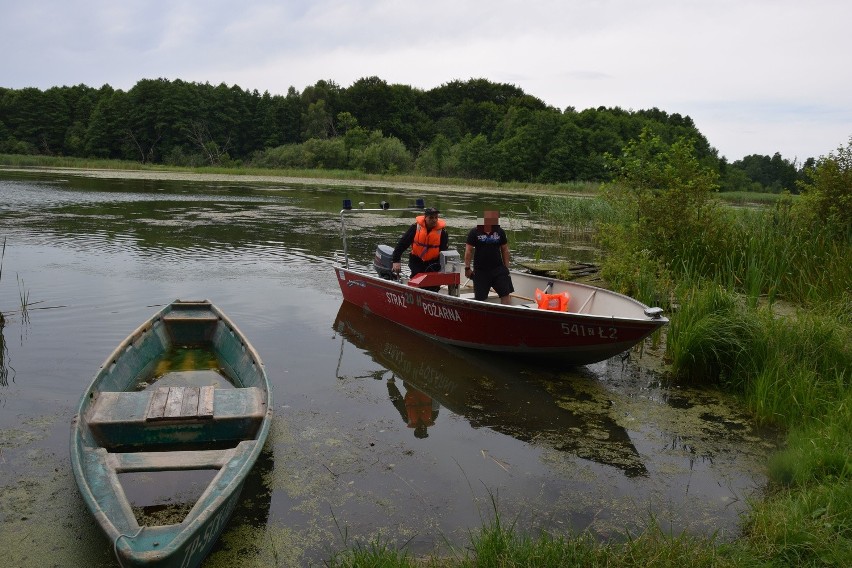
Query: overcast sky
{"points": [[756, 76]]}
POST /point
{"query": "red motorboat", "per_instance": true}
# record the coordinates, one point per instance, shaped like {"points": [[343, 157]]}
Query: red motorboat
{"points": [[576, 323]]}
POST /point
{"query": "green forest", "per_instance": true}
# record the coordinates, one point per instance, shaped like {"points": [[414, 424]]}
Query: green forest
{"points": [[474, 129]]}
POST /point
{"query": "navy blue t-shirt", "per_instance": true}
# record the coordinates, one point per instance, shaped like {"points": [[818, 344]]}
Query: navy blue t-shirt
{"points": [[486, 247]]}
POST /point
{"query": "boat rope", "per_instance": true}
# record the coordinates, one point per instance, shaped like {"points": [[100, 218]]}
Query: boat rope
{"points": [[115, 544]]}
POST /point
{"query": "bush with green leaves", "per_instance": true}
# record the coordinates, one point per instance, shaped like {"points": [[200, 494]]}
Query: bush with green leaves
{"points": [[387, 156], [663, 193], [827, 194]]}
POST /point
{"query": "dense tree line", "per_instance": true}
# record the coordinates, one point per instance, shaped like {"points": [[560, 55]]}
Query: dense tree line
{"points": [[474, 129], [762, 173]]}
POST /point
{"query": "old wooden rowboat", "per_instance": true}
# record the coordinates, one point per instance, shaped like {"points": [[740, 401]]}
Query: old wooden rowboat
{"points": [[185, 391], [548, 318]]}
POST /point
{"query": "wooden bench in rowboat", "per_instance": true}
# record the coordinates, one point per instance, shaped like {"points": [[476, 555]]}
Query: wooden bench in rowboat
{"points": [[176, 415], [188, 326]]}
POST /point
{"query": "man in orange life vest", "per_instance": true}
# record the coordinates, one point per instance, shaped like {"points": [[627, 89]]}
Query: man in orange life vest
{"points": [[427, 238]]}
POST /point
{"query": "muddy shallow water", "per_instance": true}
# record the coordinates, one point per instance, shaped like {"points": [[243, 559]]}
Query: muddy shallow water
{"points": [[377, 433]]}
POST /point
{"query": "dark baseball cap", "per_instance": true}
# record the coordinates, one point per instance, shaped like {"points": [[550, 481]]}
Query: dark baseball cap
{"points": [[430, 211]]}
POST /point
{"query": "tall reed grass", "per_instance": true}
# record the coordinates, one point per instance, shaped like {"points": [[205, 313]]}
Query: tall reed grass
{"points": [[499, 545], [571, 215], [750, 198], [806, 526], [770, 253], [791, 369], [4, 349]]}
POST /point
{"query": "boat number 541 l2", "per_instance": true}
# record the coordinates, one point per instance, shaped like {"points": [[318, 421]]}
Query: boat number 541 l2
{"points": [[589, 331]]}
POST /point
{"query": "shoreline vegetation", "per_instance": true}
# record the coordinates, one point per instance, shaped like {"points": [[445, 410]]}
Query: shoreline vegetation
{"points": [[115, 168], [721, 272]]}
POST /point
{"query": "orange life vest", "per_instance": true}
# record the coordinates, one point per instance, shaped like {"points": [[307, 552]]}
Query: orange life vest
{"points": [[555, 302], [427, 244]]}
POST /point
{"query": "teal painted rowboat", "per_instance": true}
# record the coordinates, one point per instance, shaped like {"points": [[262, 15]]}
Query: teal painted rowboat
{"points": [[185, 391]]}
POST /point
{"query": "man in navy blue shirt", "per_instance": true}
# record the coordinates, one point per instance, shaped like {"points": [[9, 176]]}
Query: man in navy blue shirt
{"points": [[488, 248]]}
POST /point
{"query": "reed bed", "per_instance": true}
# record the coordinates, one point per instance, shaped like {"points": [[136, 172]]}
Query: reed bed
{"points": [[770, 253], [790, 369], [4, 349], [500, 546], [570, 216]]}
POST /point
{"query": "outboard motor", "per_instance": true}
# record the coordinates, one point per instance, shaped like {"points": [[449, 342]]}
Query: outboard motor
{"points": [[383, 263]]}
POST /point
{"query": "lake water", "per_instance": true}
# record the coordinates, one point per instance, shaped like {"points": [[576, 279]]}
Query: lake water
{"points": [[603, 448]]}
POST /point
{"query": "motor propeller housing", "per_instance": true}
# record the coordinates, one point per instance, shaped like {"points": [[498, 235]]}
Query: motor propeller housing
{"points": [[383, 263]]}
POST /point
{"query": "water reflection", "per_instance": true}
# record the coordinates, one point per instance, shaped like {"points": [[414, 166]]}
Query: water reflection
{"points": [[565, 412], [417, 409], [5, 368]]}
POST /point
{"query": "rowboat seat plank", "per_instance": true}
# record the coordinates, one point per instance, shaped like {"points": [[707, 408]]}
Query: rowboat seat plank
{"points": [[193, 316], [176, 415], [174, 402], [181, 402], [157, 406], [179, 460], [205, 402], [190, 327]]}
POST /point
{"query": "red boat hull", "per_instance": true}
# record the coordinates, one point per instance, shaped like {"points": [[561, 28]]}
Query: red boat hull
{"points": [[572, 337]]}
